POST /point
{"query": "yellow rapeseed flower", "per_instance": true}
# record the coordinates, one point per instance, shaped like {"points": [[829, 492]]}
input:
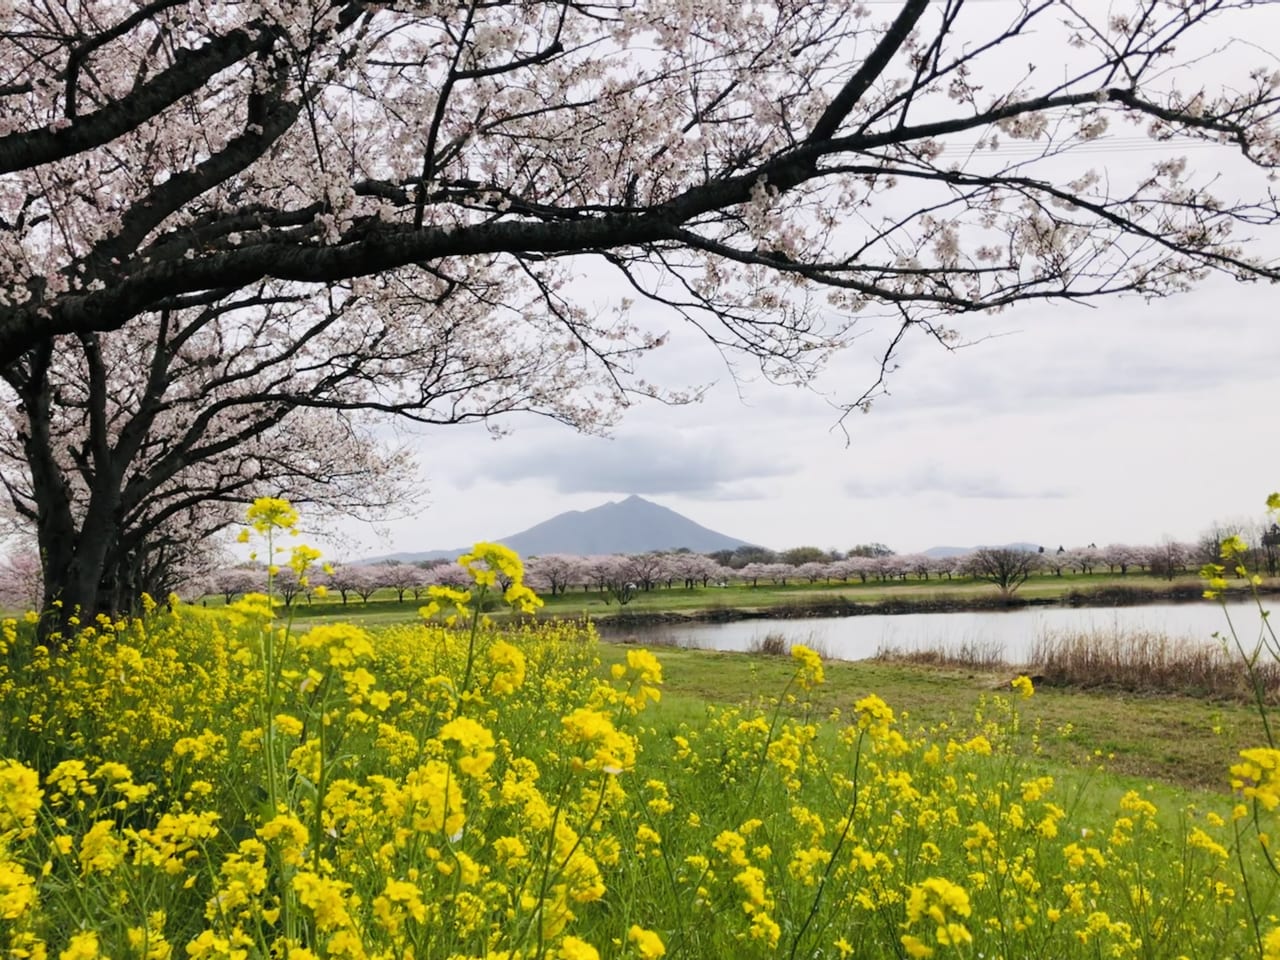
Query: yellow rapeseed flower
{"points": [[17, 891], [101, 850], [571, 948], [648, 944], [874, 715], [476, 743], [432, 793], [614, 751], [290, 834], [938, 899], [82, 946], [1271, 942], [326, 898], [271, 513], [487, 560], [508, 665], [1232, 547], [341, 644], [809, 673], [1258, 777], [521, 598], [20, 797]]}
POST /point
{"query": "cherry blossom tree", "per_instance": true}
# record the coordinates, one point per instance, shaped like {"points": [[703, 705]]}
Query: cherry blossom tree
{"points": [[1169, 558], [20, 584], [1119, 556], [231, 582], [692, 569], [554, 573], [645, 570], [1007, 567], [946, 567], [286, 584], [402, 578], [859, 566], [703, 570], [813, 571], [753, 573], [173, 150], [346, 578], [612, 575], [450, 575], [366, 580], [919, 564], [778, 573], [100, 451], [347, 206], [1084, 559], [1056, 561]]}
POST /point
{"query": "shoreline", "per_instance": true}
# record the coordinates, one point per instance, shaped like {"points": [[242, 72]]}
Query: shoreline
{"points": [[842, 606]]}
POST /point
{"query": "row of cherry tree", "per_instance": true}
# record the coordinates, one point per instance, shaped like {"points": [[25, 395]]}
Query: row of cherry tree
{"points": [[619, 577]]}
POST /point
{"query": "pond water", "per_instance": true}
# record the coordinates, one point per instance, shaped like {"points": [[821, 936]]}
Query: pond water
{"points": [[1007, 635]]}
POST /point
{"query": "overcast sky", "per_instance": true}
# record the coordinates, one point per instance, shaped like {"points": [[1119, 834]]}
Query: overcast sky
{"points": [[1124, 421], [1127, 422]]}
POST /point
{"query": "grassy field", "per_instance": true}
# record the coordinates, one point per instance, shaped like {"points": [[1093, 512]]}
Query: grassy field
{"points": [[710, 602], [421, 778], [1175, 739]]}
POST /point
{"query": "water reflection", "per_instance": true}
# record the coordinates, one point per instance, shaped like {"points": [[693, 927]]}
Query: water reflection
{"points": [[1007, 635]]}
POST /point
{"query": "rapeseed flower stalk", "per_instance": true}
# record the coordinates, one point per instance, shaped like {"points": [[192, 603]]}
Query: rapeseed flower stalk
{"points": [[494, 792], [489, 565], [810, 672], [269, 514]]}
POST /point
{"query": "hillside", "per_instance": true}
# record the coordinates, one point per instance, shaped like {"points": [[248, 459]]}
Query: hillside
{"points": [[943, 552]]}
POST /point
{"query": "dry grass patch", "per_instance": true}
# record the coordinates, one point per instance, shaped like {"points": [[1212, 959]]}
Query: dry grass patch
{"points": [[1148, 662]]}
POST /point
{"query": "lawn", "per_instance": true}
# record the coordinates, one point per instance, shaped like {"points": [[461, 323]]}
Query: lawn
{"points": [[710, 602]]}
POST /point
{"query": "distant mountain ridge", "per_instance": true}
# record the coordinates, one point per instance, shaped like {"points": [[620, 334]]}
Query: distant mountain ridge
{"points": [[943, 553], [633, 525]]}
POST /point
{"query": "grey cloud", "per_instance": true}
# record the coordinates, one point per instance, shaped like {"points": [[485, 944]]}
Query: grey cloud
{"points": [[732, 491], [936, 479], [697, 465]]}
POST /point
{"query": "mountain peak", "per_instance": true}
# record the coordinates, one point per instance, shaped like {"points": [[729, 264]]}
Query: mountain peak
{"points": [[631, 525]]}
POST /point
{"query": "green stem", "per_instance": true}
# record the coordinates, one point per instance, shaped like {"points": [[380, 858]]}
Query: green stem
{"points": [[471, 646], [835, 853], [321, 778], [764, 752], [1256, 683], [1248, 894]]}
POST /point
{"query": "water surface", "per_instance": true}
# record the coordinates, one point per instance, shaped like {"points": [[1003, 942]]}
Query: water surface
{"points": [[1007, 634]]}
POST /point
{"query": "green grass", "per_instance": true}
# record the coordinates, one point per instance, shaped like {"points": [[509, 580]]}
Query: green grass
{"points": [[898, 797], [384, 608], [1173, 739]]}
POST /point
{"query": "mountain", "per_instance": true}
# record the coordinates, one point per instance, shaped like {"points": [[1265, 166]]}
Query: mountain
{"points": [[944, 552], [633, 525]]}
